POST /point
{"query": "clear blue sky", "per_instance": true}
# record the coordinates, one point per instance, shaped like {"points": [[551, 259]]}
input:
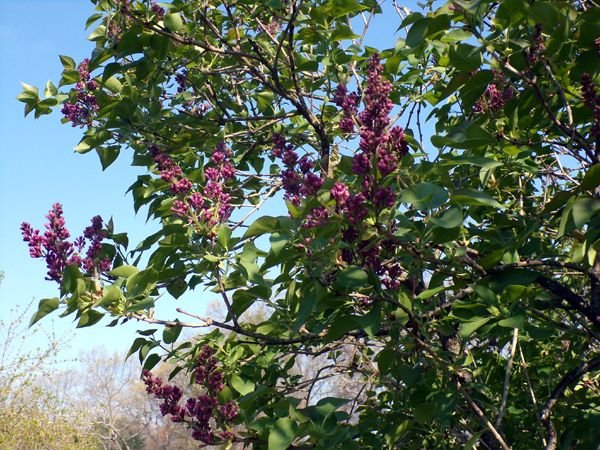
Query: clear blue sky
{"points": [[38, 166]]}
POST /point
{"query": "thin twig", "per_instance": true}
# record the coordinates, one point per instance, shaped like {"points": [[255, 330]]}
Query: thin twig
{"points": [[571, 377], [509, 364]]}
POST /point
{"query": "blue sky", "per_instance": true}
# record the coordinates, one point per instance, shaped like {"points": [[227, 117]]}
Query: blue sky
{"points": [[38, 166]]}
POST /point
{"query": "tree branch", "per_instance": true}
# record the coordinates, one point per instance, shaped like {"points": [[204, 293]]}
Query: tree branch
{"points": [[558, 392]]}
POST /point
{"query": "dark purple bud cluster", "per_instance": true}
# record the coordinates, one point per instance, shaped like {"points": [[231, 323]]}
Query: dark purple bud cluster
{"points": [[348, 103], [380, 150], [211, 206], [181, 80], [299, 179], [53, 245], [376, 256], [95, 235], [82, 111], [209, 419], [157, 9], [340, 193], [537, 46], [113, 30], [591, 99], [494, 98], [316, 218], [273, 27], [381, 146]]}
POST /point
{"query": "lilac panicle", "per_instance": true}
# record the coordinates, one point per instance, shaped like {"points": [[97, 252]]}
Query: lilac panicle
{"points": [[53, 245], [204, 413]]}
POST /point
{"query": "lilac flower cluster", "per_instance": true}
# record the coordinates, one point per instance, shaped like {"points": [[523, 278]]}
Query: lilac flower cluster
{"points": [[380, 150], [58, 252], [537, 47], [273, 27], [82, 111], [204, 414], [117, 23], [157, 9], [591, 99], [181, 80], [597, 45], [214, 204], [495, 96], [113, 30], [348, 103], [381, 147], [299, 179]]}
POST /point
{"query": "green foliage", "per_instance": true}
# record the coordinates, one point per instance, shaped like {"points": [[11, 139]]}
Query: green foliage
{"points": [[466, 311]]}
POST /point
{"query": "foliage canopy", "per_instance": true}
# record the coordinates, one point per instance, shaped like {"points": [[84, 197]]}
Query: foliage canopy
{"points": [[455, 283]]}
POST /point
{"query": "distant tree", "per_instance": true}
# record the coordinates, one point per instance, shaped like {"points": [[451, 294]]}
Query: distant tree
{"points": [[32, 416], [438, 216]]}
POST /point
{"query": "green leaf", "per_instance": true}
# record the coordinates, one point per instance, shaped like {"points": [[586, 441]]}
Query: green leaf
{"points": [[425, 195], [341, 326], [98, 34], [371, 322], [45, 307], [145, 303], [584, 209], [306, 306], [113, 85], [140, 282], [352, 277], [513, 322], [50, 90], [465, 57], [137, 344], [470, 6], [282, 434], [242, 299], [545, 14], [111, 294], [417, 32], [107, 155], [343, 32], [591, 180], [89, 318], [468, 328], [346, 7], [424, 413], [512, 277], [173, 21], [467, 135], [428, 293], [243, 386], [171, 333], [475, 198], [67, 62], [260, 226], [486, 163], [224, 235], [566, 218], [123, 271], [93, 18], [452, 218], [485, 293], [151, 361]]}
